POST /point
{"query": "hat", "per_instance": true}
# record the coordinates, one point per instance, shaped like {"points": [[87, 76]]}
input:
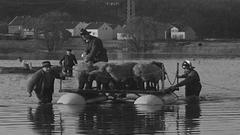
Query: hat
{"points": [[187, 65], [84, 32], [46, 64], [69, 50]]}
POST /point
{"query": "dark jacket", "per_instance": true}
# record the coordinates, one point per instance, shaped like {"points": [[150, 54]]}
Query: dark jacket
{"points": [[95, 51], [43, 85], [191, 82], [69, 60]]}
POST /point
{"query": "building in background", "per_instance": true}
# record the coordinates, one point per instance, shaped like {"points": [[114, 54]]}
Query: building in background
{"points": [[101, 30], [23, 26]]}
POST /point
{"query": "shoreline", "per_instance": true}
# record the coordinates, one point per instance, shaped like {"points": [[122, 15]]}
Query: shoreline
{"points": [[34, 50]]}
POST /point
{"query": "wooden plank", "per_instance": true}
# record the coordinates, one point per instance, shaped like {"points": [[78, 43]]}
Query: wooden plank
{"points": [[113, 91]]}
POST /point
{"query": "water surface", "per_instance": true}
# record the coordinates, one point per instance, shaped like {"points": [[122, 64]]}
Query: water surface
{"points": [[218, 112]]}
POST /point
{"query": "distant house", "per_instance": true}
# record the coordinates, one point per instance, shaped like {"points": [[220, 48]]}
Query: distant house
{"points": [[80, 25], [22, 26], [116, 29], [70, 27], [177, 34], [123, 35], [74, 27], [101, 30], [182, 32], [162, 31]]}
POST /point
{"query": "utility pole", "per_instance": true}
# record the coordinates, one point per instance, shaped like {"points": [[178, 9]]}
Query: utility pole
{"points": [[130, 9]]}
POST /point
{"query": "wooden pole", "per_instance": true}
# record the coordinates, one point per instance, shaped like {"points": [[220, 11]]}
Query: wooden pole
{"points": [[60, 84], [163, 76], [177, 72]]}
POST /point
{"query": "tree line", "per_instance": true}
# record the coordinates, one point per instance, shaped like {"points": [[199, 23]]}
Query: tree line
{"points": [[209, 18]]}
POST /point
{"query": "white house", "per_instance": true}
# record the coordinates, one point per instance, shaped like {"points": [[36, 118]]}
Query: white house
{"points": [[176, 34], [70, 26], [101, 30], [79, 26]]}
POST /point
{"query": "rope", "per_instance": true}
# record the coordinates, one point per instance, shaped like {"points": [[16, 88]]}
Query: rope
{"points": [[175, 79]]}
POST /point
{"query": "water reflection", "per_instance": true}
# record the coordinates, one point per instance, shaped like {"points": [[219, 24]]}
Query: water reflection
{"points": [[122, 119], [43, 119], [192, 115]]}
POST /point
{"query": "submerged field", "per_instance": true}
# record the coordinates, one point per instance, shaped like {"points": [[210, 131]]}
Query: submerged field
{"points": [[36, 49]]}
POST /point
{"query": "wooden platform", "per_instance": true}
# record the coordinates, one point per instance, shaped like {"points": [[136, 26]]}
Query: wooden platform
{"points": [[79, 91]]}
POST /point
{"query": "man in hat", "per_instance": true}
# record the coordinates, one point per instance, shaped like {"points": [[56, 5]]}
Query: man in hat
{"points": [[42, 82], [191, 82], [68, 61], [94, 51]]}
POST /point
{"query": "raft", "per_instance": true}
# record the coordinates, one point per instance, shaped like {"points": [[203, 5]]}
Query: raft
{"points": [[7, 70], [146, 97]]}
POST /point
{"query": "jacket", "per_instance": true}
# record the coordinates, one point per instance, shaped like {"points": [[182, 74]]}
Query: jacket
{"points": [[43, 84], [95, 51], [69, 60], [191, 82]]}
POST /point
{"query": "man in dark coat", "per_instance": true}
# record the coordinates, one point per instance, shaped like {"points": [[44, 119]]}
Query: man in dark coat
{"points": [[94, 51], [42, 82], [68, 61], [191, 82]]}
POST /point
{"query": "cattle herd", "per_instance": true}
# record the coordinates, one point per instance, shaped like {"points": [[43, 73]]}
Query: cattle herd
{"points": [[120, 76]]}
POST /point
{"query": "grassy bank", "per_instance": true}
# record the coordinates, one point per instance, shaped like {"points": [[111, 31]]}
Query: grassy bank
{"points": [[36, 49]]}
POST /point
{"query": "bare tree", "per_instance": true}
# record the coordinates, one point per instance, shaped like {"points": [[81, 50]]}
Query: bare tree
{"points": [[52, 26], [142, 31]]}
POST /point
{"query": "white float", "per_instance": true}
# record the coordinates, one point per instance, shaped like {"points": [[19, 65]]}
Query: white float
{"points": [[156, 100], [71, 99], [149, 100]]}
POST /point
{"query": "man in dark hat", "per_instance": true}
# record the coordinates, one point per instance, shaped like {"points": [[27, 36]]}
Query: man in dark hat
{"points": [[42, 82], [68, 61], [191, 82], [94, 51]]}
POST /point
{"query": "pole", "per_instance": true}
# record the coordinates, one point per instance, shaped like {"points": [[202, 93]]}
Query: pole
{"points": [[177, 74], [60, 84]]}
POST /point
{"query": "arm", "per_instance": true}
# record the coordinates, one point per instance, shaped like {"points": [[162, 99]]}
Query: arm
{"points": [[189, 79], [60, 62], [32, 81], [182, 76], [57, 72], [75, 60]]}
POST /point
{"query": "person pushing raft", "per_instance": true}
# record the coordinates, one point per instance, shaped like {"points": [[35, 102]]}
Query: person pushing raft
{"points": [[191, 82], [42, 82]]}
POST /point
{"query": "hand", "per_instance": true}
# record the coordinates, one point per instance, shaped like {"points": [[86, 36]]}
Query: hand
{"points": [[170, 89], [83, 55], [29, 94]]}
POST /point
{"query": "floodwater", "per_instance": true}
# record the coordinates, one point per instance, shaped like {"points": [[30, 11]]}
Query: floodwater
{"points": [[218, 112]]}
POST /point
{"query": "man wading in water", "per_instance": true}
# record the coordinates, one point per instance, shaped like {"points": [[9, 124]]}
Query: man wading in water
{"points": [[42, 82], [191, 82]]}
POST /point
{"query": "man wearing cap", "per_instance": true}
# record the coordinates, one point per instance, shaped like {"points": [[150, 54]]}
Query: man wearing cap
{"points": [[94, 51], [42, 82], [68, 61], [191, 82]]}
